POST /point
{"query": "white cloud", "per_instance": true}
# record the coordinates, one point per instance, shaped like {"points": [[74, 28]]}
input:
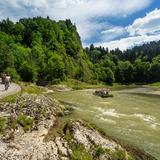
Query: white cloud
{"points": [[129, 42], [112, 33], [83, 12], [142, 30], [87, 29], [150, 24]]}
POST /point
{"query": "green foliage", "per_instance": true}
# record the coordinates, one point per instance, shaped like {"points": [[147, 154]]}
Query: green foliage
{"points": [[13, 124], [120, 154], [13, 73], [155, 72], [108, 75], [99, 151], [156, 84], [25, 121], [124, 72], [11, 98], [55, 68], [80, 153], [142, 71], [27, 72], [31, 88], [6, 56], [75, 84], [138, 65], [3, 124], [44, 51]]}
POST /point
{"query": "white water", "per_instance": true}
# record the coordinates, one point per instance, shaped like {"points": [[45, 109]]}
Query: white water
{"points": [[130, 115]]}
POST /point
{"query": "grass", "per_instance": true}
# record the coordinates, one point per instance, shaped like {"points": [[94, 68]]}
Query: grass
{"points": [[77, 85], [156, 84], [11, 98], [31, 88], [80, 153], [99, 151], [3, 124], [121, 154], [25, 121]]}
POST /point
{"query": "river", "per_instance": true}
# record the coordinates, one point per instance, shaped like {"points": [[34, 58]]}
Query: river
{"points": [[132, 115]]}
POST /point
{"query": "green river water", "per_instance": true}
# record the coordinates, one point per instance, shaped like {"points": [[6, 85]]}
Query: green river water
{"points": [[130, 115]]}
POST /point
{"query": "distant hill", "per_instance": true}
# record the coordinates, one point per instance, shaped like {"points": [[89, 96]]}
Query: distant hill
{"points": [[140, 64]]}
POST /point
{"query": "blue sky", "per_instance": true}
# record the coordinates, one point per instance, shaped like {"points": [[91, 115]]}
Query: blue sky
{"points": [[109, 23]]}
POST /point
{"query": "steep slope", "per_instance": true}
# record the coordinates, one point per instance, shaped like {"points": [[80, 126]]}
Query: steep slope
{"points": [[42, 50]]}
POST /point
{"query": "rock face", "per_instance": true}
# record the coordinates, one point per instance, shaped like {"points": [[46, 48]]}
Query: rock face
{"points": [[34, 150], [90, 137], [99, 147], [30, 145]]}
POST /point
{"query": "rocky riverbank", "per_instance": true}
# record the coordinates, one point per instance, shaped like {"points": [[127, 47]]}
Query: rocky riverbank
{"points": [[26, 121]]}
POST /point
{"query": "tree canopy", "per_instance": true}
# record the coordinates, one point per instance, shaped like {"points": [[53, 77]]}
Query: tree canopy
{"points": [[44, 51]]}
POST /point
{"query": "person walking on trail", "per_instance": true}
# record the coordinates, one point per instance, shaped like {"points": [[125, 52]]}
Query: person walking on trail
{"points": [[3, 76], [7, 82]]}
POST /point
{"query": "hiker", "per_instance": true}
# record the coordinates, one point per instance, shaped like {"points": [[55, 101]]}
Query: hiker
{"points": [[3, 76], [7, 82]]}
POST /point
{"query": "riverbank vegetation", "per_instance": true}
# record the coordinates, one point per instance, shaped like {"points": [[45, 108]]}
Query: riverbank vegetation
{"points": [[44, 51], [77, 85], [156, 84]]}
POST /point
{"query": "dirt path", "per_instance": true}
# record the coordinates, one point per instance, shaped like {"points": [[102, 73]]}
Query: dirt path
{"points": [[14, 88]]}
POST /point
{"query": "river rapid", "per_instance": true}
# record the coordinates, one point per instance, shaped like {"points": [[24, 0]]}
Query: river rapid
{"points": [[132, 115]]}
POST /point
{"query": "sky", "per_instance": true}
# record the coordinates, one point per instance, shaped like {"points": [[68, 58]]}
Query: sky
{"points": [[109, 23]]}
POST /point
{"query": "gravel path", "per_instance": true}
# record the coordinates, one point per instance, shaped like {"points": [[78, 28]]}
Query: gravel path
{"points": [[13, 89]]}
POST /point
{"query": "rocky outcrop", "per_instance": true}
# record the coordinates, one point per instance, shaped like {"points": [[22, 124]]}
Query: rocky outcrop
{"points": [[34, 150], [20, 144], [99, 146], [90, 137]]}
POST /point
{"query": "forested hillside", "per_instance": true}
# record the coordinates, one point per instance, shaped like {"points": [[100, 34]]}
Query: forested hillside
{"points": [[42, 50], [45, 51], [140, 64]]}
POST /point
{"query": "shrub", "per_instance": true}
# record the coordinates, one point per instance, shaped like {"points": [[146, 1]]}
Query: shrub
{"points": [[80, 153], [99, 151], [28, 72], [121, 154], [13, 73], [25, 121]]}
